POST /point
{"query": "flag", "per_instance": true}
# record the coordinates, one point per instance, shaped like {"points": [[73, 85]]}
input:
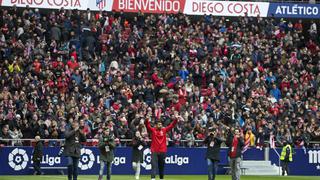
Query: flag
{"points": [[246, 143], [100, 3], [272, 142]]}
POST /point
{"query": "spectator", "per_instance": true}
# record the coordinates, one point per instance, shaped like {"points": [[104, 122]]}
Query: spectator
{"points": [[250, 138], [111, 64], [16, 134], [5, 135]]}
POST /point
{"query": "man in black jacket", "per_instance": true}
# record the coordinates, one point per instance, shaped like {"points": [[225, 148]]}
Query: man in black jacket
{"points": [[37, 156], [138, 144], [213, 153], [73, 139], [235, 143]]}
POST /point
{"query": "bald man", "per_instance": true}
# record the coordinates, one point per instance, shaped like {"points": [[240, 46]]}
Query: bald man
{"points": [[37, 155]]}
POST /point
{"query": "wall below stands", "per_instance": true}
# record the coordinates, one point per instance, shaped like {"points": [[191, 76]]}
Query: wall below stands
{"points": [[17, 160]]}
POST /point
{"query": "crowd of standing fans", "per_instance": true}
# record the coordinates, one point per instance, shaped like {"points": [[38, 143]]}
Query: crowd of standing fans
{"points": [[106, 69]]}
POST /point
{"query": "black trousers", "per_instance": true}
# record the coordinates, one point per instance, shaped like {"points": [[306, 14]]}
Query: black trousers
{"points": [[36, 166], [73, 168], [157, 160], [285, 167]]}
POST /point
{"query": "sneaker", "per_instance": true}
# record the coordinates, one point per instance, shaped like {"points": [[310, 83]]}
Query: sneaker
{"points": [[100, 177]]}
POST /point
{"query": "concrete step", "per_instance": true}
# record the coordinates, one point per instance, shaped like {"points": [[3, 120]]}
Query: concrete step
{"points": [[262, 174], [256, 163], [260, 168]]}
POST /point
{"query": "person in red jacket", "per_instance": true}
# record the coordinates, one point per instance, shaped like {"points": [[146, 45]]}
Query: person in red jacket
{"points": [[159, 144]]}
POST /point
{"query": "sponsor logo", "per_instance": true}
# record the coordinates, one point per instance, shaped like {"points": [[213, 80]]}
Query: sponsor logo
{"points": [[177, 160], [87, 159], [100, 3], [50, 160], [174, 159], [314, 156], [119, 160], [18, 159], [146, 159]]}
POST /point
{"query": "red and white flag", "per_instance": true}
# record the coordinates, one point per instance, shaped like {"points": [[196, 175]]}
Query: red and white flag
{"points": [[272, 142]]}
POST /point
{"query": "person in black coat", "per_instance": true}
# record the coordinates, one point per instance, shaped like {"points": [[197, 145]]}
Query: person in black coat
{"points": [[235, 143], [37, 156], [213, 143], [73, 139], [138, 145]]}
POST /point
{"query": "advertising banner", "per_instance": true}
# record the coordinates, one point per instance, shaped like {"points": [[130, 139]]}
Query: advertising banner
{"points": [[305, 161], [18, 160], [290, 10], [190, 7], [226, 8], [150, 6], [95, 5]]}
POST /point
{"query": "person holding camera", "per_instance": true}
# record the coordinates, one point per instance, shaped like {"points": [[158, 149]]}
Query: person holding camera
{"points": [[106, 147], [37, 156], [138, 143], [235, 143], [73, 139], [213, 142]]}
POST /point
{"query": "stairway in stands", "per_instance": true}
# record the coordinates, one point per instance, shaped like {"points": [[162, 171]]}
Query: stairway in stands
{"points": [[260, 168]]}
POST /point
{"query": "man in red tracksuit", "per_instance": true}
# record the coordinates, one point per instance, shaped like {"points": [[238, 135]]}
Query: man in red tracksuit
{"points": [[159, 145]]}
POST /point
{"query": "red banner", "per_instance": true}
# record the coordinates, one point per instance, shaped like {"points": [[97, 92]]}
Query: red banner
{"points": [[150, 6]]}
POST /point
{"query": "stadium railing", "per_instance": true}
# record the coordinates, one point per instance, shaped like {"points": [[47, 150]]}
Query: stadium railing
{"points": [[120, 142]]}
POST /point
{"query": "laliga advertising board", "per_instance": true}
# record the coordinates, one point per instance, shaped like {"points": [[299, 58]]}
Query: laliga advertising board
{"points": [[18, 160]]}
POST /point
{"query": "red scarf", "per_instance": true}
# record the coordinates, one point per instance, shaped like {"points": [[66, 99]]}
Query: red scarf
{"points": [[233, 152]]}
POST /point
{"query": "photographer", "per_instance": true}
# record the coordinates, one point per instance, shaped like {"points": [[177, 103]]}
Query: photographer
{"points": [[37, 156], [106, 147], [213, 143], [235, 143], [73, 139], [138, 144]]}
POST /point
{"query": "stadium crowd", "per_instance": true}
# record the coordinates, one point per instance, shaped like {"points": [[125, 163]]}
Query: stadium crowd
{"points": [[114, 69]]}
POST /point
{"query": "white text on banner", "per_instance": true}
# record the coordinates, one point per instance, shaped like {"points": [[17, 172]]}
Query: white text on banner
{"points": [[226, 8]]}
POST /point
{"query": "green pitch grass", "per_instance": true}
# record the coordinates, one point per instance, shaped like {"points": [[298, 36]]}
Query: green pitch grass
{"points": [[176, 177]]}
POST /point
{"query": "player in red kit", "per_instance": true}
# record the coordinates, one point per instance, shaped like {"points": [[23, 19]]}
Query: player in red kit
{"points": [[159, 144]]}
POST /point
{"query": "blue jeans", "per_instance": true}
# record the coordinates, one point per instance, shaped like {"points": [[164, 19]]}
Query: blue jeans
{"points": [[73, 167], [212, 169]]}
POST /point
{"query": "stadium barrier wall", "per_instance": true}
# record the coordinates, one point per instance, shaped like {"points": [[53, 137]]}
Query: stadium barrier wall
{"points": [[18, 160], [191, 7]]}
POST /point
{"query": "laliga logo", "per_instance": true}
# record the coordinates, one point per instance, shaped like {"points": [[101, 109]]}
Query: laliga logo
{"points": [[175, 159], [146, 159], [18, 159], [87, 159]]}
